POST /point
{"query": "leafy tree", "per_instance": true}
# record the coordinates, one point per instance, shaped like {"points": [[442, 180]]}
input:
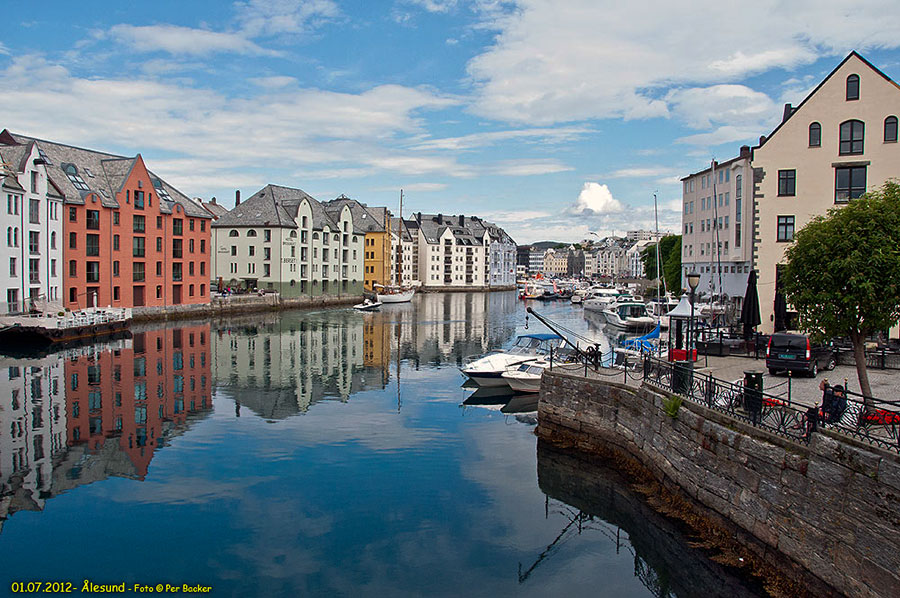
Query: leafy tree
{"points": [[843, 272], [670, 254]]}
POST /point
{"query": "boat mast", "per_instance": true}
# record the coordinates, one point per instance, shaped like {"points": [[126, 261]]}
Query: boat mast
{"points": [[658, 264], [400, 241]]}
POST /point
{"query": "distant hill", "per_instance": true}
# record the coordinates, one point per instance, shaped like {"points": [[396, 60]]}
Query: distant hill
{"points": [[547, 244]]}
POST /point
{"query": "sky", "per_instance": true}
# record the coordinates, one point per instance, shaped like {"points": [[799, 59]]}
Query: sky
{"points": [[553, 119]]}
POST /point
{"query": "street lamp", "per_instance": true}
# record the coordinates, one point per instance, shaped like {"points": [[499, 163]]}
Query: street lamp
{"points": [[693, 279]]}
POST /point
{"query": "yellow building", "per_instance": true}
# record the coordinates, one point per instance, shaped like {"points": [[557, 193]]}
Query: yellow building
{"points": [[371, 221]]}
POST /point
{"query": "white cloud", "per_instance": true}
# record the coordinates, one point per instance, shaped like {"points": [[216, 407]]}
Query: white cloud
{"points": [[605, 59], [640, 172], [184, 40], [702, 107], [542, 135], [527, 167], [276, 17], [274, 82], [436, 6], [423, 187], [596, 199]]}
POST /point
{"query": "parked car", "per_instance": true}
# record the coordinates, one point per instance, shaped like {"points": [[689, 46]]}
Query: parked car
{"points": [[797, 353]]}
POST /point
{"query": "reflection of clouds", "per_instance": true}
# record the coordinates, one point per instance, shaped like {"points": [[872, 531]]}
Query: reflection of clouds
{"points": [[187, 490]]}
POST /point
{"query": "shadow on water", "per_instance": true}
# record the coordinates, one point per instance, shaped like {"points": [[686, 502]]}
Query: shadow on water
{"points": [[596, 500]]}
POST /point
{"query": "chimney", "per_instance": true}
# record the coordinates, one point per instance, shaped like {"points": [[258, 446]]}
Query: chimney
{"points": [[440, 219], [462, 220], [419, 217], [745, 151], [787, 112], [237, 198], [213, 200], [762, 139]]}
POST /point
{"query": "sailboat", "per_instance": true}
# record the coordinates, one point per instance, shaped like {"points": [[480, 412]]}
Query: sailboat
{"points": [[396, 293]]}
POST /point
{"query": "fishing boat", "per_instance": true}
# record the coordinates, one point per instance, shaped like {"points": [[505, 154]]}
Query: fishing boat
{"points": [[487, 370]]}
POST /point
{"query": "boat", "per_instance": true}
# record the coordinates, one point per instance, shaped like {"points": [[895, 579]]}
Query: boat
{"points": [[394, 294], [600, 299], [41, 330], [648, 343], [367, 305], [488, 370], [527, 376], [660, 307], [629, 315]]}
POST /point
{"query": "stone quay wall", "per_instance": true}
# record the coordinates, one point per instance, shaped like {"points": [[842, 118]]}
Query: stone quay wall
{"points": [[240, 304], [829, 510]]}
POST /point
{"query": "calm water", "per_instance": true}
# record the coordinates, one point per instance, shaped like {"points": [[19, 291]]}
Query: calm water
{"points": [[316, 453]]}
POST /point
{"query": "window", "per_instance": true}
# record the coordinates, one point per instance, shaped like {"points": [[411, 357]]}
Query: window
{"points": [[138, 224], [787, 182], [191, 224], [34, 242], [191, 244], [853, 87], [203, 226], [849, 183], [815, 135], [176, 271], [202, 268], [34, 269], [73, 240], [159, 269], [234, 250], [92, 245], [251, 233], [73, 268], [159, 223], [267, 236], [138, 271], [34, 211], [202, 244], [53, 240], [116, 268], [116, 218], [93, 220], [12, 267], [252, 250], [159, 244], [232, 233], [115, 242], [139, 200], [138, 247], [92, 272], [737, 234], [191, 269], [852, 135], [785, 229], [890, 129], [177, 226], [177, 248]]}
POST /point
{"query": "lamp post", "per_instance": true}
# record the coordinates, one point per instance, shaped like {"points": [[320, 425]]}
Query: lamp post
{"points": [[693, 279]]}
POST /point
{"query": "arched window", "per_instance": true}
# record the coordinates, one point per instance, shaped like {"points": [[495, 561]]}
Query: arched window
{"points": [[852, 137], [853, 87], [815, 135], [16, 237], [233, 233], [890, 129], [9, 237], [251, 233], [293, 234], [53, 240], [315, 236], [304, 222]]}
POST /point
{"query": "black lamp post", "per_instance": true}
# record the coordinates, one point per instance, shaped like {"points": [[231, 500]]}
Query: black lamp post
{"points": [[693, 279]]}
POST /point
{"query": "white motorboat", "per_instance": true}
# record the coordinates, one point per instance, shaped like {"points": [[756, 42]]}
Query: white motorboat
{"points": [[629, 315], [600, 299], [488, 370], [659, 308], [527, 376], [367, 305]]}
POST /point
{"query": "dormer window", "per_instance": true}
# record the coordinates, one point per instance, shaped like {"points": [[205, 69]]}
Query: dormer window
{"points": [[853, 87], [815, 135], [852, 137], [72, 172]]}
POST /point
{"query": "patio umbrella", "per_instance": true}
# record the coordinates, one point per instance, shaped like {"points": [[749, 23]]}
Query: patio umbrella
{"points": [[780, 312], [750, 309]]}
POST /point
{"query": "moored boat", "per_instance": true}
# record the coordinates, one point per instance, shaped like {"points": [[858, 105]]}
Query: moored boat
{"points": [[527, 376], [488, 370]]}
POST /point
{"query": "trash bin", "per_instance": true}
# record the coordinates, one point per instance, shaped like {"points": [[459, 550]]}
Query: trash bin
{"points": [[682, 375], [753, 388]]}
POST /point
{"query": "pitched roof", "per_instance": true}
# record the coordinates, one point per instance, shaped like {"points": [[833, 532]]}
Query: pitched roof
{"points": [[276, 206], [99, 172], [364, 220]]}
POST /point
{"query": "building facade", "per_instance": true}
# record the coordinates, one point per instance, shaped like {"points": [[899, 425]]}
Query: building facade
{"points": [[717, 226], [372, 223], [837, 144]]}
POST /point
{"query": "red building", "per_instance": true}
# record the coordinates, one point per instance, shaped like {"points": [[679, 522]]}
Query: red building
{"points": [[139, 396], [129, 238]]}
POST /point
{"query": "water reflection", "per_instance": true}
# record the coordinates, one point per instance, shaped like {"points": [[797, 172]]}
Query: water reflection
{"points": [[92, 412], [588, 498]]}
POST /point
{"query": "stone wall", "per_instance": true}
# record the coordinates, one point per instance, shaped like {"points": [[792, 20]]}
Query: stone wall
{"points": [[239, 304], [830, 509]]}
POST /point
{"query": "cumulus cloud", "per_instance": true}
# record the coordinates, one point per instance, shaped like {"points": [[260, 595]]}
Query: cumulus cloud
{"points": [[596, 199], [177, 40], [604, 59], [276, 17]]}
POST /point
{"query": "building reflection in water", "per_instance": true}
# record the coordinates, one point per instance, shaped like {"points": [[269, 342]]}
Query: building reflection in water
{"points": [[279, 365], [82, 415]]}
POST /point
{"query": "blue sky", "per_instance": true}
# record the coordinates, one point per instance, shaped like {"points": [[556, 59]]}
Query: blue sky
{"points": [[552, 119]]}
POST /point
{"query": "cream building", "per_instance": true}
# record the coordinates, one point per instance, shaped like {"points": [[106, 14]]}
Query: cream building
{"points": [[556, 262], [717, 233], [840, 142]]}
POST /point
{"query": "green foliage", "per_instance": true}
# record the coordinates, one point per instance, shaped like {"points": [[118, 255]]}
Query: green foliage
{"points": [[843, 270], [670, 252], [671, 405]]}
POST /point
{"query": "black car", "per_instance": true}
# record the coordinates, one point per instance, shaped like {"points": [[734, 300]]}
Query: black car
{"points": [[797, 353]]}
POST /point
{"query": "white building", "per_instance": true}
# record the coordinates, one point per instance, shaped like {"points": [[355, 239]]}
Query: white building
{"points": [[634, 260], [33, 222]]}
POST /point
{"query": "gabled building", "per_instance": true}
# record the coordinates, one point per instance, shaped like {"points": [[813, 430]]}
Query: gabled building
{"points": [[454, 253], [129, 238], [405, 252], [372, 223], [32, 219], [283, 239], [837, 144]]}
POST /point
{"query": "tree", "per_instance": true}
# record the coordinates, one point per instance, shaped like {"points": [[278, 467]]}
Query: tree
{"points": [[842, 273], [670, 254]]}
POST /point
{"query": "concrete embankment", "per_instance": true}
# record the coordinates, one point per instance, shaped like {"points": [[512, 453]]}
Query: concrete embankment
{"points": [[826, 514], [240, 304]]}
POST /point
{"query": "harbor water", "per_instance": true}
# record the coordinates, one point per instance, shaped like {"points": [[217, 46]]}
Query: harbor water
{"points": [[318, 453]]}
